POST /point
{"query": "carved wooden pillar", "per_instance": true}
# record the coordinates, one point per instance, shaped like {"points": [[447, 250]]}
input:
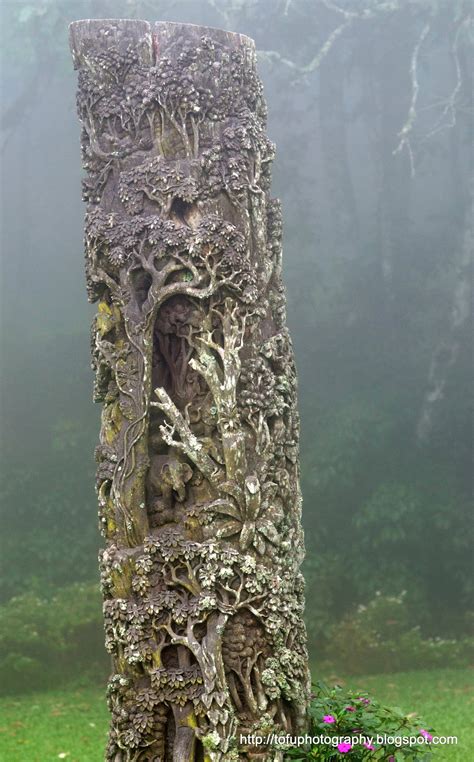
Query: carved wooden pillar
{"points": [[198, 457]]}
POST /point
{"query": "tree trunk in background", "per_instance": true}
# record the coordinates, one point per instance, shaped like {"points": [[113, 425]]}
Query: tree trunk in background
{"points": [[198, 456], [344, 228], [392, 94], [448, 349]]}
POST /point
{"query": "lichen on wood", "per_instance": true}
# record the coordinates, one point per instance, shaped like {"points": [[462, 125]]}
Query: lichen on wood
{"points": [[197, 475]]}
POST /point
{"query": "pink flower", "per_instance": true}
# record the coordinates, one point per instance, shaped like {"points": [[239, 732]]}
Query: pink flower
{"points": [[343, 747], [364, 700], [369, 746], [329, 719], [350, 708], [426, 735]]}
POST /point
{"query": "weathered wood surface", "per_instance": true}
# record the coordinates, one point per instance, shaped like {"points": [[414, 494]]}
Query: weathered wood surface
{"points": [[198, 456]]}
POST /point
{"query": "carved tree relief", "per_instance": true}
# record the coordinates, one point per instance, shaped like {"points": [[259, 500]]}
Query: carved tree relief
{"points": [[197, 473]]}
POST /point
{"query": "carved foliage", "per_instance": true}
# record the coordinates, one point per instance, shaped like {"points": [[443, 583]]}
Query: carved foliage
{"points": [[198, 457]]}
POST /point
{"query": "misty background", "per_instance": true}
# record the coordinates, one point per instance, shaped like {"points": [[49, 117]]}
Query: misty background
{"points": [[370, 107]]}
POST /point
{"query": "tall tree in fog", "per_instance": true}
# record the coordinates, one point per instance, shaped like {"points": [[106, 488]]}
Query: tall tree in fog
{"points": [[458, 111], [333, 112]]}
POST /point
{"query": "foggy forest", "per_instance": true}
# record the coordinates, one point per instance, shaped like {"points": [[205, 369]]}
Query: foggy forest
{"points": [[371, 113]]}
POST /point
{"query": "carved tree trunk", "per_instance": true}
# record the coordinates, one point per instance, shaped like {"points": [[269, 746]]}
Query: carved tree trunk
{"points": [[198, 456]]}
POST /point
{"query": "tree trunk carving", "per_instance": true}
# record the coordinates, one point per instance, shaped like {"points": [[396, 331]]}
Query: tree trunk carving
{"points": [[198, 457]]}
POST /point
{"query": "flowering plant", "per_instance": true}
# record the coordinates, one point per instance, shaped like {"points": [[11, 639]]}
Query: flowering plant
{"points": [[354, 726]]}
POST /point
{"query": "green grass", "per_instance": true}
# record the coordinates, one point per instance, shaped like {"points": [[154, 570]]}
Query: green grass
{"points": [[41, 727]]}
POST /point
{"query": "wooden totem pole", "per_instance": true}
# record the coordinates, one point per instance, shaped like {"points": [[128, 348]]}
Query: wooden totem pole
{"points": [[197, 472]]}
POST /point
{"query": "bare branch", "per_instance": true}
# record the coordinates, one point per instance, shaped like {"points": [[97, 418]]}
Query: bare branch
{"points": [[407, 129], [367, 13], [450, 104], [315, 63], [349, 18]]}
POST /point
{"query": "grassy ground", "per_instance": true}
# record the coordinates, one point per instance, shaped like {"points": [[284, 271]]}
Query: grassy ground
{"points": [[69, 725], [72, 725]]}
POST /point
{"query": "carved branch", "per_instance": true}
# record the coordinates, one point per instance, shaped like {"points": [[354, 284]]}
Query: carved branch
{"points": [[189, 443]]}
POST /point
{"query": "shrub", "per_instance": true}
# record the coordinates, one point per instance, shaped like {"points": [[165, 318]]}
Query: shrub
{"points": [[345, 716], [415, 534], [48, 641], [382, 637]]}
